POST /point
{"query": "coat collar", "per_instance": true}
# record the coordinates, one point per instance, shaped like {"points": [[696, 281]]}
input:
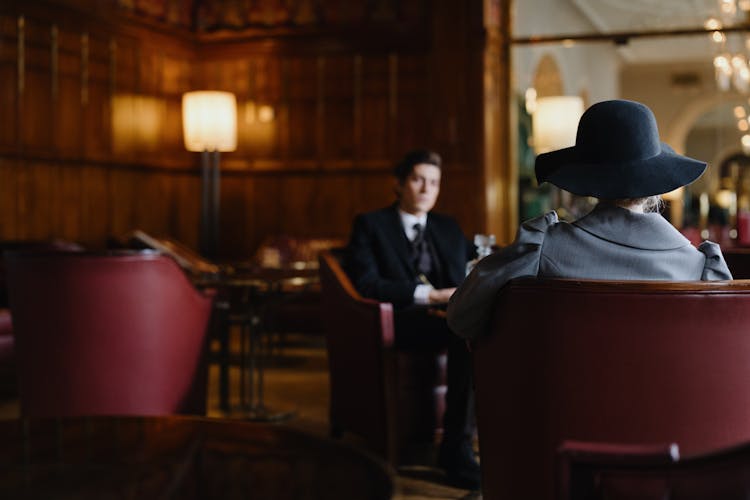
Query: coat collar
{"points": [[649, 231]]}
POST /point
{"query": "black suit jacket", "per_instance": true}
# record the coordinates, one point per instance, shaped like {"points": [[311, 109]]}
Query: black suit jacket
{"points": [[379, 255]]}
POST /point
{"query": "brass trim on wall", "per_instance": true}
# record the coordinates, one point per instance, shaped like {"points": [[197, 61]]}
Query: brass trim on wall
{"points": [[283, 122], [84, 69], [21, 54], [321, 106], [393, 86], [357, 111], [54, 61], [112, 66], [392, 121]]}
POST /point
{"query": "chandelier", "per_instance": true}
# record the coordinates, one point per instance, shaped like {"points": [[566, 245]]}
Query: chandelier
{"points": [[731, 66]]}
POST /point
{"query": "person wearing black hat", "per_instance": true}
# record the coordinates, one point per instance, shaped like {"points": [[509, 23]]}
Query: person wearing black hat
{"points": [[618, 159], [414, 258]]}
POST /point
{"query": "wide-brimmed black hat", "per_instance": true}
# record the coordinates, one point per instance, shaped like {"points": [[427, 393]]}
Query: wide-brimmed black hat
{"points": [[617, 155]]}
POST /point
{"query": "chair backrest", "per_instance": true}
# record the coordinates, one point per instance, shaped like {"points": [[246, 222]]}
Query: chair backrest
{"points": [[394, 398], [357, 331], [588, 470], [8, 384], [603, 471], [624, 362], [30, 246], [116, 333], [738, 261], [186, 257]]}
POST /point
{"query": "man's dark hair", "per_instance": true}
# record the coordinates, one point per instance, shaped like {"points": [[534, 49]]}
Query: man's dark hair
{"points": [[411, 159]]}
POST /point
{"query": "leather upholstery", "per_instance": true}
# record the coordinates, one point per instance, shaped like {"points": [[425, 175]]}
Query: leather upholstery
{"points": [[8, 382], [30, 245], [738, 261], [119, 333], [621, 362], [7, 354], [599, 471], [390, 398]]}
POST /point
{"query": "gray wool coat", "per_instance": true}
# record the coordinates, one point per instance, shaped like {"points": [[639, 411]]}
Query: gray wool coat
{"points": [[610, 243]]}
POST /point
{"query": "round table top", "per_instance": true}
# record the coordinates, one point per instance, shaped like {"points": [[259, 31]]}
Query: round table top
{"points": [[180, 457]]}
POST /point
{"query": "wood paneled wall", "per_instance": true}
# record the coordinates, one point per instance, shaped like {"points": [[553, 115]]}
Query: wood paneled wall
{"points": [[91, 136]]}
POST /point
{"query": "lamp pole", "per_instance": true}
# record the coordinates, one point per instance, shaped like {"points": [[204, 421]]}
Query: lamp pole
{"points": [[210, 203]]}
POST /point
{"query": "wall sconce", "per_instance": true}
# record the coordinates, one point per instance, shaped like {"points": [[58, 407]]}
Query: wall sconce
{"points": [[209, 120], [137, 123], [555, 122], [258, 113]]}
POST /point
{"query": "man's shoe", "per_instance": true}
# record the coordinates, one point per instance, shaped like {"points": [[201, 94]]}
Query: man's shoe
{"points": [[460, 466]]}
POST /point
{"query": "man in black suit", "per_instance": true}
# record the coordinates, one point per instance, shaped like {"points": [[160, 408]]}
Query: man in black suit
{"points": [[413, 258]]}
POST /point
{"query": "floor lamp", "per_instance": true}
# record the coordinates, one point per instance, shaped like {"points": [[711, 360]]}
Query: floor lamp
{"points": [[209, 120]]}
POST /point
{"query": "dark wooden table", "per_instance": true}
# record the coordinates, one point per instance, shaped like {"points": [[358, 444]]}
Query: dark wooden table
{"points": [[180, 457], [245, 295]]}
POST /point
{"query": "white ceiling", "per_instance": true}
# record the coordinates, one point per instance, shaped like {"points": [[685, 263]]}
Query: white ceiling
{"points": [[608, 16], [632, 15]]}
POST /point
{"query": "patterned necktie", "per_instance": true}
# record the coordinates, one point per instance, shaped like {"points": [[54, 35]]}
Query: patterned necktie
{"points": [[421, 251]]}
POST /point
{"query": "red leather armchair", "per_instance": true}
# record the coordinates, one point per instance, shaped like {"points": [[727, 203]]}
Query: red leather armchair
{"points": [[8, 381], [738, 261], [621, 362], [121, 333], [392, 399], [7, 354], [605, 471]]}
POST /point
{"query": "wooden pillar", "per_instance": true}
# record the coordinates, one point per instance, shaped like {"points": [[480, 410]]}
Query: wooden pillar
{"points": [[500, 174]]}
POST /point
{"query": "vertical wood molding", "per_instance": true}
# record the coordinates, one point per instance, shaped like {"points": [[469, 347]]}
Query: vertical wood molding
{"points": [[54, 62], [284, 130], [159, 80], [252, 70], [137, 76], [500, 175], [507, 130], [357, 93], [21, 55], [393, 86], [84, 69], [320, 109], [112, 67], [392, 122]]}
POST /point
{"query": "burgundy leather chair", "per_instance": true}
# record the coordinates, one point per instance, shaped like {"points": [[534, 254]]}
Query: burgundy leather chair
{"points": [[604, 471], [738, 261], [622, 362], [394, 400], [7, 354], [118, 333], [29, 246], [8, 383]]}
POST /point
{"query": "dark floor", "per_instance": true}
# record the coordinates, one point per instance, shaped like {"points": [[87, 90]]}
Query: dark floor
{"points": [[296, 382]]}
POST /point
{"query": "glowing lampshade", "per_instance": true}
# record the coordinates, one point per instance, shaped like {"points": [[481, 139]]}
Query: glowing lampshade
{"points": [[555, 122], [209, 120]]}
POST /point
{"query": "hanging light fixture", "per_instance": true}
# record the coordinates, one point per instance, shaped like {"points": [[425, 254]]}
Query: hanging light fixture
{"points": [[731, 67]]}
